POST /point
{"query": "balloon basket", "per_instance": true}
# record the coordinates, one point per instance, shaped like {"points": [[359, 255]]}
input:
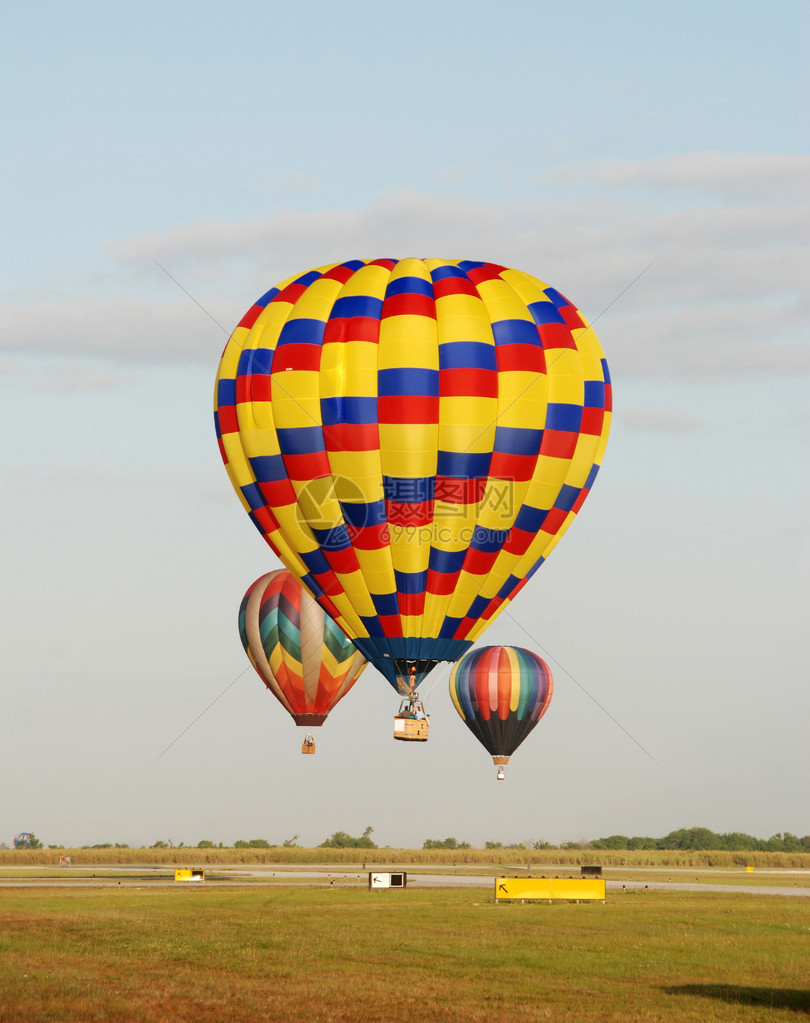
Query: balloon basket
{"points": [[308, 748], [411, 724], [411, 729]]}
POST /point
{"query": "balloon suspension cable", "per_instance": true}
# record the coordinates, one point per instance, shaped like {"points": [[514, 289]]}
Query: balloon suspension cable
{"points": [[187, 292], [440, 676], [203, 711], [580, 686]]}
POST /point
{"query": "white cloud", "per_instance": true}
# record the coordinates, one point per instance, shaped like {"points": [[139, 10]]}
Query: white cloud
{"points": [[456, 171], [117, 331], [705, 343], [298, 181], [741, 176], [76, 376], [662, 420]]}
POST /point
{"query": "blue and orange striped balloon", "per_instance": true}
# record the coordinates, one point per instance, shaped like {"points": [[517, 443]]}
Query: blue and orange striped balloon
{"points": [[500, 693], [300, 654], [412, 438]]}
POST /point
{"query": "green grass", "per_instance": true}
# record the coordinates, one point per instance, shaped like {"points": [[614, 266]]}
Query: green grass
{"points": [[346, 954]]}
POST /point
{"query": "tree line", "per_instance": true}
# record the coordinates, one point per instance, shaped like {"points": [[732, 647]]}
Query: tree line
{"points": [[681, 839], [703, 838]]}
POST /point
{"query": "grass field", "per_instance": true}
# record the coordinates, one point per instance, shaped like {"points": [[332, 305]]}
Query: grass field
{"points": [[239, 955]]}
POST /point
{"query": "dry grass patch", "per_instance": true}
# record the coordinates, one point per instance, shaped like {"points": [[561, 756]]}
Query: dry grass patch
{"points": [[376, 858]]}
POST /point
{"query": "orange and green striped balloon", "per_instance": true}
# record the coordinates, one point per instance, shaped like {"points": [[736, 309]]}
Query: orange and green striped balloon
{"points": [[301, 655]]}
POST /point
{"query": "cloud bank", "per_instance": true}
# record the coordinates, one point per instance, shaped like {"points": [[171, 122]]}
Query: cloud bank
{"points": [[662, 420], [705, 292], [741, 177]]}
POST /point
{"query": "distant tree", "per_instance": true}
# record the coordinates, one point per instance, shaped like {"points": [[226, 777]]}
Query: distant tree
{"points": [[102, 845], [290, 843], [446, 843], [160, 844], [253, 843], [493, 845], [340, 840], [205, 844], [737, 841], [642, 842], [689, 838], [540, 844], [611, 842], [785, 842]]}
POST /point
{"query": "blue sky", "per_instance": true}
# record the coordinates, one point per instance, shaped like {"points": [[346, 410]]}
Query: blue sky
{"points": [[164, 166]]}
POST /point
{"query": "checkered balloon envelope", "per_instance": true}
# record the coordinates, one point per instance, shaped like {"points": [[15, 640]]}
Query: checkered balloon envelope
{"points": [[412, 438]]}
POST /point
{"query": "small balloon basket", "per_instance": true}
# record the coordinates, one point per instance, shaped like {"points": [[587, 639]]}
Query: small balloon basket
{"points": [[411, 724], [411, 729]]}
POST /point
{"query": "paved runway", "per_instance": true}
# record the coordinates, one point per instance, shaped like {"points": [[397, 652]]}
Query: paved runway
{"points": [[336, 877]]}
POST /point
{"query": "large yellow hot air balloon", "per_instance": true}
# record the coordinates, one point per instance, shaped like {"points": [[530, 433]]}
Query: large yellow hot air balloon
{"points": [[412, 438]]}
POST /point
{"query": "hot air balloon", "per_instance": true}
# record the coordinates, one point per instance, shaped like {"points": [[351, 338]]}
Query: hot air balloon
{"points": [[301, 655], [501, 692], [412, 438]]}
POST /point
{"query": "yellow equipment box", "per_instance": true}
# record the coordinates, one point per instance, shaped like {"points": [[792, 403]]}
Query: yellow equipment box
{"points": [[549, 888], [189, 874]]}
